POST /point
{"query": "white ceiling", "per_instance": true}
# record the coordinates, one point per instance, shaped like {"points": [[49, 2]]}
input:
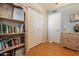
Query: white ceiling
{"points": [[51, 6]]}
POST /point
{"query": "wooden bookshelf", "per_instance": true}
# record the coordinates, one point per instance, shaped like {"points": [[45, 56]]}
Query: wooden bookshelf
{"points": [[11, 48], [8, 26], [11, 19], [11, 34]]}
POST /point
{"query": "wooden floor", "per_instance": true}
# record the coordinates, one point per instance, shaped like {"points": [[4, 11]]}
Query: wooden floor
{"points": [[51, 49]]}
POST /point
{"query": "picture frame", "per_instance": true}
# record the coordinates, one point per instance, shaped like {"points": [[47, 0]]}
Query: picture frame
{"points": [[74, 17]]}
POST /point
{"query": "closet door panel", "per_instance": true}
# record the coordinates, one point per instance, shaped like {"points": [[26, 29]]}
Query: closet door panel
{"points": [[35, 24]]}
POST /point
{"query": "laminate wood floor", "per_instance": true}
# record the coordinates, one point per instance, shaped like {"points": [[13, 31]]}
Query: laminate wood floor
{"points": [[51, 49]]}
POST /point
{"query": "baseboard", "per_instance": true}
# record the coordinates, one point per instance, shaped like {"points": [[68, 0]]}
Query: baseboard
{"points": [[44, 41], [50, 41]]}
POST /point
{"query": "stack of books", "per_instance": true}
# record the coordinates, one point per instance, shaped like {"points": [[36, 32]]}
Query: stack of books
{"points": [[4, 28], [9, 42]]}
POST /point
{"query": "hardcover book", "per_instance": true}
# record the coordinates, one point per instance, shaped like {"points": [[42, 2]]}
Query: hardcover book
{"points": [[21, 39], [9, 29], [1, 44], [4, 28], [15, 41], [8, 42], [0, 29], [21, 28]]}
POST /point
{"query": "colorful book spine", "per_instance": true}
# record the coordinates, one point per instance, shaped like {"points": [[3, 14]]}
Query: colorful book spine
{"points": [[15, 42], [3, 28], [1, 44], [21, 28], [9, 29], [12, 29], [0, 28]]}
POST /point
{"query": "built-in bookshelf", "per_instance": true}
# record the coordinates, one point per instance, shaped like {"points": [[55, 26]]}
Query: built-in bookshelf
{"points": [[12, 30]]}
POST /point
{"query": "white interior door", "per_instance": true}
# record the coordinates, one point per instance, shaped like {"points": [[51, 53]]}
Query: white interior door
{"points": [[54, 27]]}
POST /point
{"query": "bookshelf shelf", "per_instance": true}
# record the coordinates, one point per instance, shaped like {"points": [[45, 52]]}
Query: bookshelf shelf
{"points": [[10, 19], [14, 47], [11, 34]]}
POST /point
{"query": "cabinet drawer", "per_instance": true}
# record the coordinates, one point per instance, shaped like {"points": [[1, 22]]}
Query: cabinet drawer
{"points": [[70, 41], [71, 38]]}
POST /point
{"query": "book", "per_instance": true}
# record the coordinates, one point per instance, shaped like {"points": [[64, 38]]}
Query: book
{"points": [[21, 40], [21, 28], [1, 44], [12, 29], [18, 14], [9, 29], [8, 42], [15, 41], [5, 44], [15, 30], [3, 28], [0, 28]]}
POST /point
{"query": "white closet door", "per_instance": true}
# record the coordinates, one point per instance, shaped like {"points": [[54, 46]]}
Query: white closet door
{"points": [[35, 28], [54, 27]]}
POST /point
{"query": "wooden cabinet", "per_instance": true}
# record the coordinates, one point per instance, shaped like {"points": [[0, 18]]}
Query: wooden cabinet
{"points": [[70, 40]]}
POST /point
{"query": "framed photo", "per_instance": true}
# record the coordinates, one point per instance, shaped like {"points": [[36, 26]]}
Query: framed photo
{"points": [[74, 17]]}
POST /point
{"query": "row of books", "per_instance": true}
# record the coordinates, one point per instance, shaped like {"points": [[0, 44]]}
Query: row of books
{"points": [[4, 28], [8, 42], [15, 52]]}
